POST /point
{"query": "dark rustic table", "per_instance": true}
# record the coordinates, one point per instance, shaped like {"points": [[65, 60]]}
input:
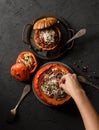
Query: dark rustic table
{"points": [[32, 114]]}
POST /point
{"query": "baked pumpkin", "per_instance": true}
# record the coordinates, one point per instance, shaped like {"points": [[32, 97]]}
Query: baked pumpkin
{"points": [[47, 34], [47, 39], [28, 59], [46, 84]]}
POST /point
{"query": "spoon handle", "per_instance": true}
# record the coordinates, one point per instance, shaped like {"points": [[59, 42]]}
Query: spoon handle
{"points": [[84, 80], [80, 33], [26, 90]]}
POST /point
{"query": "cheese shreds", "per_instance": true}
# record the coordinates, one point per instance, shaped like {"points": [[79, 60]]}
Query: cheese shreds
{"points": [[49, 37], [50, 83]]}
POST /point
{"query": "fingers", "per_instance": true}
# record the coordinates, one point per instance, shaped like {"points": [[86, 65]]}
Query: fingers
{"points": [[67, 76], [62, 80], [74, 75], [69, 83]]}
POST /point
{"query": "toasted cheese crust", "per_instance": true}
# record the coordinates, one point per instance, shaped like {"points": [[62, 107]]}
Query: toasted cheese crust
{"points": [[47, 39]]}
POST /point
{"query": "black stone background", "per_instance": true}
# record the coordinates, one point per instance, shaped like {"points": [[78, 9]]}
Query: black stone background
{"points": [[14, 14]]}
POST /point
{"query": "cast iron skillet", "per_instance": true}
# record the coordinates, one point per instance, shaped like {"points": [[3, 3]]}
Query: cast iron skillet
{"points": [[66, 31]]}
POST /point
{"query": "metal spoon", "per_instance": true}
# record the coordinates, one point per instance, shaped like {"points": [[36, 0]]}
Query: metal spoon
{"points": [[13, 112], [84, 80], [80, 33]]}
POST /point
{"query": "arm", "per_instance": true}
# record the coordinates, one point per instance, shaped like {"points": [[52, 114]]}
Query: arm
{"points": [[72, 87]]}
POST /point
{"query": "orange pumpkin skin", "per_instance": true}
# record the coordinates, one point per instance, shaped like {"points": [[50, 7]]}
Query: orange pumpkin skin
{"points": [[40, 94], [44, 23], [20, 72], [31, 66]]}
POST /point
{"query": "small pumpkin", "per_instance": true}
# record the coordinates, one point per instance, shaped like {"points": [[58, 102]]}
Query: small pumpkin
{"points": [[47, 34], [20, 72]]}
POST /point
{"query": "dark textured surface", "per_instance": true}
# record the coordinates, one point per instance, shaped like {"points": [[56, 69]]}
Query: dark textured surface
{"points": [[14, 14]]}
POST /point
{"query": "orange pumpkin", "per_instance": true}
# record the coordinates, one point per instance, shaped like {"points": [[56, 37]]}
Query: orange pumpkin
{"points": [[47, 34], [20, 72], [29, 60], [39, 78]]}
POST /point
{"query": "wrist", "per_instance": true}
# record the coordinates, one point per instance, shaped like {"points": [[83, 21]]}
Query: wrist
{"points": [[78, 93]]}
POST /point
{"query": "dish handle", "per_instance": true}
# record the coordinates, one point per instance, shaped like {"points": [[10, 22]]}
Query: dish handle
{"points": [[26, 34], [72, 42]]}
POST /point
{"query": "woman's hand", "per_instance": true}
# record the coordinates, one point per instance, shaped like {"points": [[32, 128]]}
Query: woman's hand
{"points": [[70, 84], [72, 87]]}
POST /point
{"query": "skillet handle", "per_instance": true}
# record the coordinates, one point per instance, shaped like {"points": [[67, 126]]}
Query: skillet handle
{"points": [[26, 34], [72, 42], [70, 30]]}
